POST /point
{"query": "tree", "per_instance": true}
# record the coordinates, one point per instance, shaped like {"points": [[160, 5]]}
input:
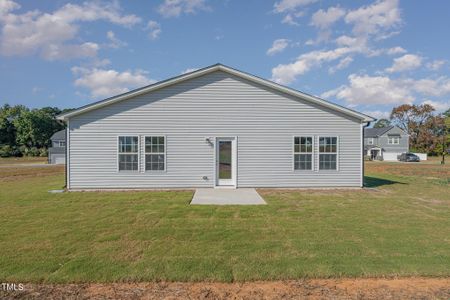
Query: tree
{"points": [[447, 113], [35, 127], [416, 120], [381, 123], [441, 132], [8, 114]]}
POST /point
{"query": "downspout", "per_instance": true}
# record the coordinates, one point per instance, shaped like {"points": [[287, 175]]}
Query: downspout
{"points": [[362, 154], [66, 165]]}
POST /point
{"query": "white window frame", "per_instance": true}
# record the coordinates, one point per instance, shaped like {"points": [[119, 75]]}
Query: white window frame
{"points": [[394, 140], [294, 153], [164, 153], [138, 153], [370, 141], [337, 153]]}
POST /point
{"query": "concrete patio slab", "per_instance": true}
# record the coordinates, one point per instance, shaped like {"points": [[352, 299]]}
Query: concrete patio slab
{"points": [[224, 196]]}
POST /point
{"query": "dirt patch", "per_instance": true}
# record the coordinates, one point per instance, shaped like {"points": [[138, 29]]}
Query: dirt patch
{"points": [[401, 288], [8, 173]]}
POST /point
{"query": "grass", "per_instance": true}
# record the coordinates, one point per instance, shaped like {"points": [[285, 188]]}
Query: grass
{"points": [[22, 160], [398, 226]]}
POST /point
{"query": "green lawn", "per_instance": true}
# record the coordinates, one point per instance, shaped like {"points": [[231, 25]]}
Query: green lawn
{"points": [[401, 226]]}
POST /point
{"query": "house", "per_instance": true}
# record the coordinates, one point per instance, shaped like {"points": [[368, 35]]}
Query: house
{"points": [[385, 143], [214, 127], [57, 153]]}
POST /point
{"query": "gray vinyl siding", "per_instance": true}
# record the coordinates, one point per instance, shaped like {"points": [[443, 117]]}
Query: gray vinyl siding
{"points": [[217, 104], [403, 142]]}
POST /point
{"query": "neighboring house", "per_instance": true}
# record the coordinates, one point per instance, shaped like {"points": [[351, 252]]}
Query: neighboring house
{"points": [[385, 143], [214, 127], [57, 153]]}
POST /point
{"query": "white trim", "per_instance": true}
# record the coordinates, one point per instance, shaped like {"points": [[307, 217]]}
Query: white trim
{"points": [[361, 158], [118, 153], [217, 67], [234, 161], [337, 152], [312, 153], [68, 155], [145, 154], [397, 138], [370, 141]]}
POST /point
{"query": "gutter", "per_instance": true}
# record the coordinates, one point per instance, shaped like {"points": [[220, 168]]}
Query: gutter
{"points": [[362, 155]]}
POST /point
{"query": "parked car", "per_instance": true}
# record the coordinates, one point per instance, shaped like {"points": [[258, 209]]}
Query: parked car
{"points": [[408, 157]]}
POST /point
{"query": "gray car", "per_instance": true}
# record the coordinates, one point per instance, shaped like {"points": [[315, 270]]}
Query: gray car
{"points": [[408, 157]]}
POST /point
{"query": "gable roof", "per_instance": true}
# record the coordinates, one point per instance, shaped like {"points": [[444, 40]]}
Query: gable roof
{"points": [[376, 132], [210, 69], [59, 135]]}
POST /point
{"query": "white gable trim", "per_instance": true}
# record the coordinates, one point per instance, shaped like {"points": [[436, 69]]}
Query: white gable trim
{"points": [[213, 68]]}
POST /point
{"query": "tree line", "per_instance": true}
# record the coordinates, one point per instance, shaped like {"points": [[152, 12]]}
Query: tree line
{"points": [[27, 132], [429, 132]]}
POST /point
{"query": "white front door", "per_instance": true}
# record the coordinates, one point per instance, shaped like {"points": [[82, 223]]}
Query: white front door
{"points": [[226, 161]]}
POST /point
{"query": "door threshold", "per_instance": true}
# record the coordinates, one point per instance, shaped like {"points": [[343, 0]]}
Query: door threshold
{"points": [[225, 187]]}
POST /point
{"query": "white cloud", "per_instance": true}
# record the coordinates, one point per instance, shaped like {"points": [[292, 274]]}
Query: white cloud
{"points": [[405, 63], [66, 51], [189, 70], [395, 50], [343, 63], [435, 64], [53, 35], [370, 21], [372, 90], [278, 46], [290, 5], [375, 18], [438, 105], [324, 19], [154, 29], [291, 8], [365, 89], [287, 73], [377, 114], [430, 87], [7, 6], [175, 8], [289, 19], [114, 41], [105, 83]]}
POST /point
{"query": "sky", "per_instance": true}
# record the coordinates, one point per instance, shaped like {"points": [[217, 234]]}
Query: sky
{"points": [[366, 55]]}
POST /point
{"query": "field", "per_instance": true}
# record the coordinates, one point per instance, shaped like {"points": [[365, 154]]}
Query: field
{"points": [[398, 226]]}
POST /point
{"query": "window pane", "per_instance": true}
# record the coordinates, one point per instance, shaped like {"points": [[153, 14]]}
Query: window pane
{"points": [[128, 144], [303, 144], [303, 161], [327, 161], [154, 144], [154, 162], [328, 144], [128, 162]]}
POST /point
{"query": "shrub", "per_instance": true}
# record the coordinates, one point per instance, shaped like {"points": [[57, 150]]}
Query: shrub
{"points": [[43, 152], [8, 151]]}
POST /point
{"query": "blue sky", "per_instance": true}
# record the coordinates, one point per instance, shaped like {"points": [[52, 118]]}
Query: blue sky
{"points": [[366, 55]]}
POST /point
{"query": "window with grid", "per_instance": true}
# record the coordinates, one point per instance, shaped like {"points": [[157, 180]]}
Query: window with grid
{"points": [[128, 153], [303, 152], [328, 153], [393, 140], [155, 152]]}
